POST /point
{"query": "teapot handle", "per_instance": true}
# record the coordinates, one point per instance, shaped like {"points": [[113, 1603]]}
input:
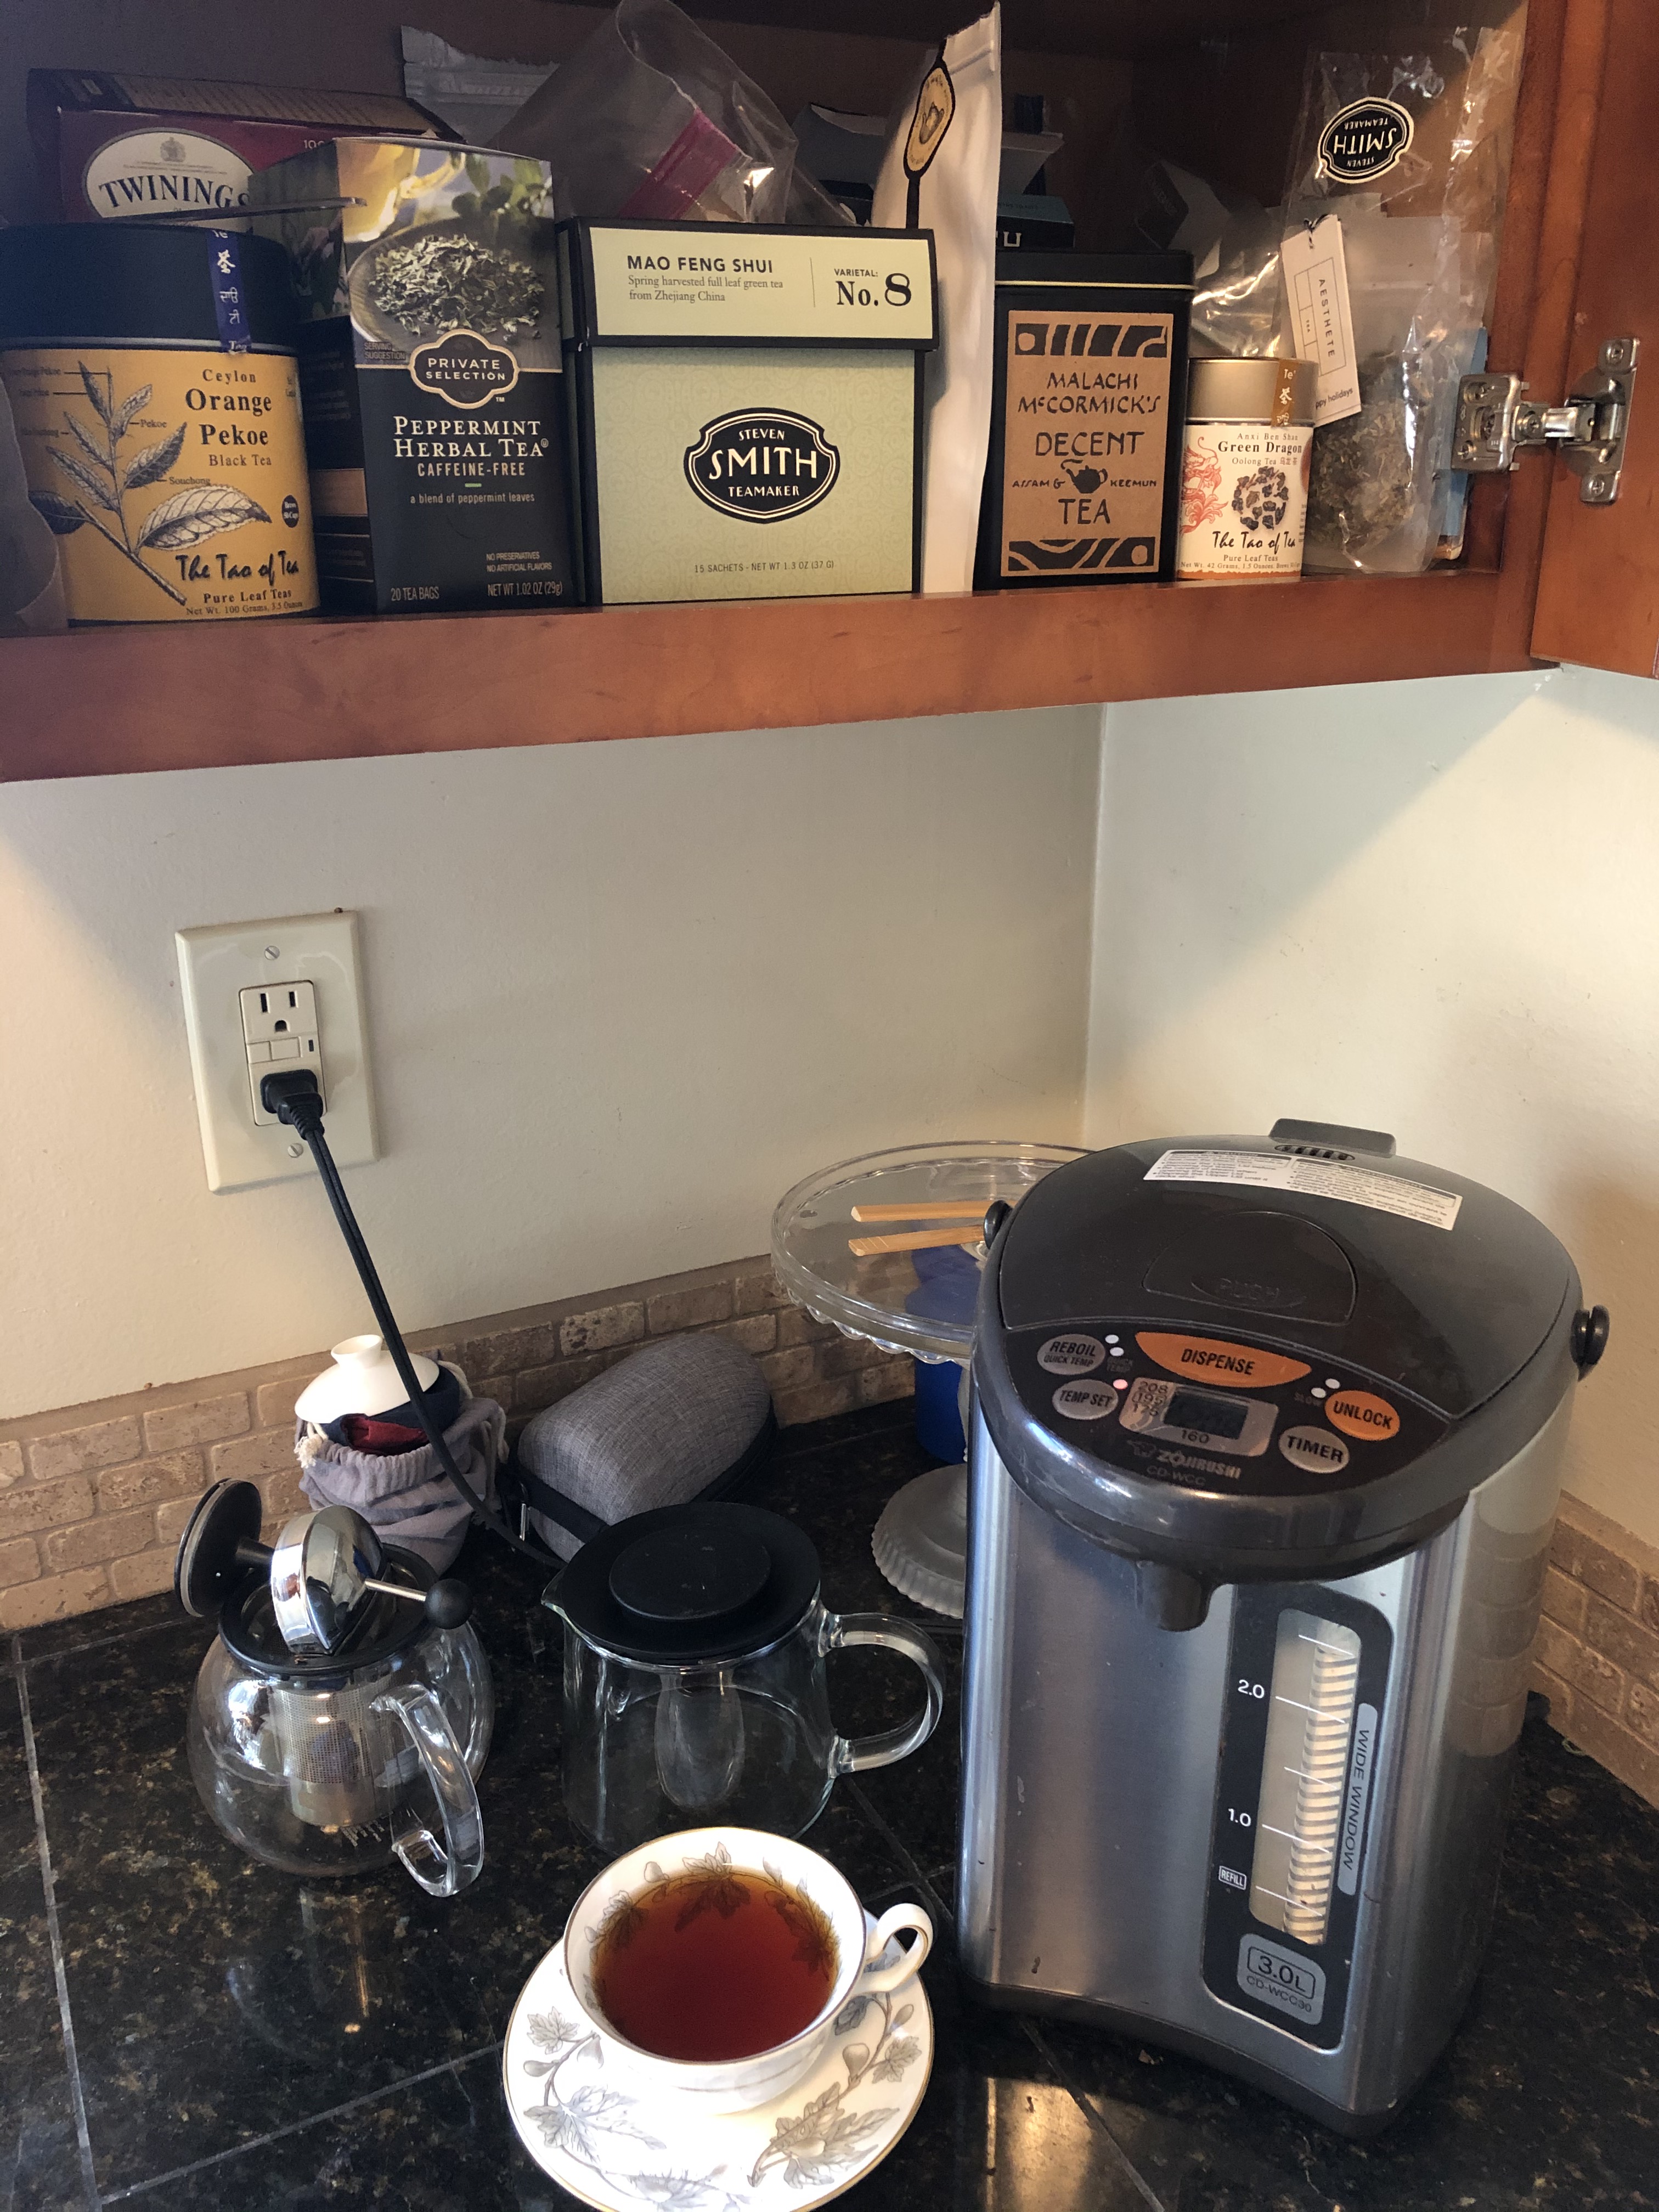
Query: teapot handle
{"points": [[837, 1632], [459, 1858]]}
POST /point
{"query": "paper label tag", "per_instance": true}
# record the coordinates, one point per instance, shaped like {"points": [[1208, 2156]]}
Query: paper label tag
{"points": [[725, 282], [1385, 1194], [1321, 323]]}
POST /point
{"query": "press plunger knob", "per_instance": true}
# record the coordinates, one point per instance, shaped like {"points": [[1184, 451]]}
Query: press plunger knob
{"points": [[447, 1604]]}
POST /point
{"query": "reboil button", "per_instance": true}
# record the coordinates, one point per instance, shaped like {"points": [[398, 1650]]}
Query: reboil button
{"points": [[1072, 1355], [1084, 1401], [1317, 1450]]}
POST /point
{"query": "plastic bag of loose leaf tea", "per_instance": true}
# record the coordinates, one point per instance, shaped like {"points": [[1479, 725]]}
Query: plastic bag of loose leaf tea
{"points": [[1411, 151]]}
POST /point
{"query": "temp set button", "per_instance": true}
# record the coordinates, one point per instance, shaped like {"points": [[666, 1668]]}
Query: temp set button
{"points": [[1315, 1450], [1084, 1401]]}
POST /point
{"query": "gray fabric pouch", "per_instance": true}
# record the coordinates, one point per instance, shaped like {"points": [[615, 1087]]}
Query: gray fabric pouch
{"points": [[683, 1419], [406, 1497]]}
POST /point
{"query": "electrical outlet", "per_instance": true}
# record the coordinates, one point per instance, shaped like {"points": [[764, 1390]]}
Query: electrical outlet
{"points": [[279, 1027], [259, 993]]}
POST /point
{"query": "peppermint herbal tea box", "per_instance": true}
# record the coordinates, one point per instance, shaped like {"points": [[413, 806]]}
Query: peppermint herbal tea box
{"points": [[431, 373], [1083, 479], [747, 407]]}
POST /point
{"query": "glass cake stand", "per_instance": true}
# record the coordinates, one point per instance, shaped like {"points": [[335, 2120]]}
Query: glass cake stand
{"points": [[918, 1301]]}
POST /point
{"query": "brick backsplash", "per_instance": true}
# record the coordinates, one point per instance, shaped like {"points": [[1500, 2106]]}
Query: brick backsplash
{"points": [[1597, 1656], [93, 1498]]}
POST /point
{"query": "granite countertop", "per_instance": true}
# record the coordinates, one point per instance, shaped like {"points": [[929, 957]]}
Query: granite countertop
{"points": [[183, 2028]]}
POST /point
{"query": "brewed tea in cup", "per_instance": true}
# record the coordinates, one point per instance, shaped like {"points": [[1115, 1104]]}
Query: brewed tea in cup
{"points": [[713, 1963]]}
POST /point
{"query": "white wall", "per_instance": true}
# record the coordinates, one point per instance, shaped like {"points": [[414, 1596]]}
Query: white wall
{"points": [[619, 998], [1430, 907]]}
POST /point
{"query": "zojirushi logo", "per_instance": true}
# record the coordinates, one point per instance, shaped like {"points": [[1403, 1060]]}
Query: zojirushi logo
{"points": [[763, 464]]}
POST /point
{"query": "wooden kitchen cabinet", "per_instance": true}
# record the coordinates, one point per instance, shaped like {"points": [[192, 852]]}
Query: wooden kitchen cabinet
{"points": [[1543, 575]]}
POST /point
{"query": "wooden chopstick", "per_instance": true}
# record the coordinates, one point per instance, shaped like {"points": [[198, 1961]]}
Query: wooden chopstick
{"points": [[914, 1240], [968, 1210]]}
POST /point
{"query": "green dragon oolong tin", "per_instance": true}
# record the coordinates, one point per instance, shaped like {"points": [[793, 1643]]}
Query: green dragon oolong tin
{"points": [[431, 369], [747, 407], [1245, 467], [152, 379], [1083, 480]]}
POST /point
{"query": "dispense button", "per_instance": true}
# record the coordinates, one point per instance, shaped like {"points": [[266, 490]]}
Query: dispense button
{"points": [[1084, 1401], [1361, 1413], [1072, 1355], [1315, 1450]]}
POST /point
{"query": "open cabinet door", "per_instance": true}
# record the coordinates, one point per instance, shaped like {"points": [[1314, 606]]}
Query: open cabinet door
{"points": [[1598, 588]]}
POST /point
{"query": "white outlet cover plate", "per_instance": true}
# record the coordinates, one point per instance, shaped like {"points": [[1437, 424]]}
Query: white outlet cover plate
{"points": [[215, 966]]}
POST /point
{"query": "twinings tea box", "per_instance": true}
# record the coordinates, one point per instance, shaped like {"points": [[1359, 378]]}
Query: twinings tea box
{"points": [[747, 404], [1083, 480], [153, 386], [108, 145], [431, 371]]}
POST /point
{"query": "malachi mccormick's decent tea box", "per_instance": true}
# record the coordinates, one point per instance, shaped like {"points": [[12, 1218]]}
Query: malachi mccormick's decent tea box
{"points": [[747, 407], [431, 373], [1083, 478]]}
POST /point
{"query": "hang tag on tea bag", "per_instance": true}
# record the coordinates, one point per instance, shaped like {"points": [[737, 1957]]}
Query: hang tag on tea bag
{"points": [[1322, 321]]}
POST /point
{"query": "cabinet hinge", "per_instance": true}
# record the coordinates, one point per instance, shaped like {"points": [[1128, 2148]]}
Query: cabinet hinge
{"points": [[1495, 425]]}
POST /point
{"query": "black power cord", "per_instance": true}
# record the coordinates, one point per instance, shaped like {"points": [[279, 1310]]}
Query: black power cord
{"points": [[292, 1095]]}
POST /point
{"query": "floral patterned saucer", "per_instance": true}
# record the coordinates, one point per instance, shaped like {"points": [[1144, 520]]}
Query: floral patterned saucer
{"points": [[622, 2153]]}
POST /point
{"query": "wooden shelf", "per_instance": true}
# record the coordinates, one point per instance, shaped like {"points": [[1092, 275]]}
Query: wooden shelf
{"points": [[114, 702]]}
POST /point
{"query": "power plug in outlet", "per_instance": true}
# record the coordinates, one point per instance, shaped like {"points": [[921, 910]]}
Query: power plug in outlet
{"points": [[279, 1026], [287, 994]]}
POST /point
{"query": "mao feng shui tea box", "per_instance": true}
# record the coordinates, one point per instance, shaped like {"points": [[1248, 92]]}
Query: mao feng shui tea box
{"points": [[431, 371], [747, 407], [1089, 377]]}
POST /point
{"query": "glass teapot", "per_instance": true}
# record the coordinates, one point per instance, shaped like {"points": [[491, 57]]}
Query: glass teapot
{"points": [[694, 1683], [344, 1712]]}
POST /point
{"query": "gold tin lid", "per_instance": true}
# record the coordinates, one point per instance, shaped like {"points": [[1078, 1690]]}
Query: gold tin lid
{"points": [[1261, 390]]}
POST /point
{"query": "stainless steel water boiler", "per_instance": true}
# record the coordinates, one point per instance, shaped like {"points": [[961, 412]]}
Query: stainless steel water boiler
{"points": [[1266, 1455]]}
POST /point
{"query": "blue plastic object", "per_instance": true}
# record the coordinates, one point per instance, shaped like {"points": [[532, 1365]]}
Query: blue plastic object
{"points": [[947, 1288]]}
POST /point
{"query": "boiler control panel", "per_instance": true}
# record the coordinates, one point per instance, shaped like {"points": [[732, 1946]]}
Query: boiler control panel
{"points": [[1216, 1413]]}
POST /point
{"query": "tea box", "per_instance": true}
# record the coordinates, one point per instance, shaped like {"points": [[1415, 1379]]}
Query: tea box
{"points": [[1083, 479], [431, 371], [109, 146], [746, 403]]}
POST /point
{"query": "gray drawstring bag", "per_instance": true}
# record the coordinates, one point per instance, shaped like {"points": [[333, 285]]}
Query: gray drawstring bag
{"points": [[687, 1417], [405, 1497]]}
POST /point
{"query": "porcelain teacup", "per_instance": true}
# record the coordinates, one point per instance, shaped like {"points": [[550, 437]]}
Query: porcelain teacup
{"points": [[760, 1863]]}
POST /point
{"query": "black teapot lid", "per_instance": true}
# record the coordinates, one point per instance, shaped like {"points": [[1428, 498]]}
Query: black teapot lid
{"points": [[689, 1585]]}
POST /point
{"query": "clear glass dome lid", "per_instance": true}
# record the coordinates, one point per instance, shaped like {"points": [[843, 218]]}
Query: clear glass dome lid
{"points": [[911, 1297]]}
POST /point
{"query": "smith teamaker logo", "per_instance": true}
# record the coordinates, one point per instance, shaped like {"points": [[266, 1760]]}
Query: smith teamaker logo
{"points": [[1364, 139], [763, 464]]}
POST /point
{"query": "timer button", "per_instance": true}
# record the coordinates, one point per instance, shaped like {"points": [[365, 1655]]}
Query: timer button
{"points": [[1315, 1450]]}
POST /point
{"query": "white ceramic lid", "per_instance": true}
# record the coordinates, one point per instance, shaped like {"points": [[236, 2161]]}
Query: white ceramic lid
{"points": [[363, 1380]]}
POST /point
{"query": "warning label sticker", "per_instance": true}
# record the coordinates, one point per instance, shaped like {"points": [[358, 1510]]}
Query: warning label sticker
{"points": [[1386, 1194]]}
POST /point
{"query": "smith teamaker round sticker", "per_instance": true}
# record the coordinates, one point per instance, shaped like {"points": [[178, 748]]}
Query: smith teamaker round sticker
{"points": [[763, 464], [1363, 140]]}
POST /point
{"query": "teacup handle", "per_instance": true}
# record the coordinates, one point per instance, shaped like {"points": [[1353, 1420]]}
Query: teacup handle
{"points": [[839, 1630], [876, 1981]]}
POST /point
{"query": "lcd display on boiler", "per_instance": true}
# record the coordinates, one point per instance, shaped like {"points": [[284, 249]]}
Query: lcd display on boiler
{"points": [[1214, 1416]]}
